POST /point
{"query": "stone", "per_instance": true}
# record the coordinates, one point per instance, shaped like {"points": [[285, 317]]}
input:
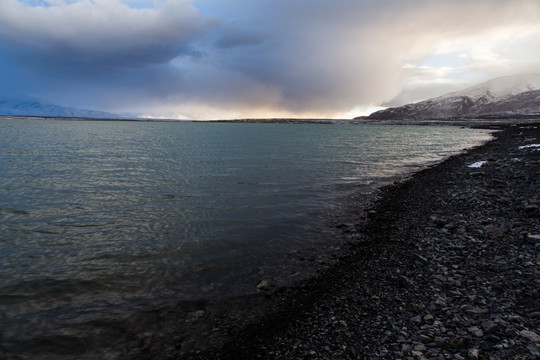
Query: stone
{"points": [[534, 315], [439, 278], [347, 228], [490, 327], [264, 284], [534, 351], [494, 231], [530, 335], [456, 321], [441, 302], [476, 310], [476, 331], [474, 353], [533, 239], [404, 282], [532, 210], [420, 258], [506, 226], [439, 341], [439, 221], [198, 314]]}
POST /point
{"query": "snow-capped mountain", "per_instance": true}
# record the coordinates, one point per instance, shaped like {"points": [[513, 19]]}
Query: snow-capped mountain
{"points": [[25, 107], [518, 94]]}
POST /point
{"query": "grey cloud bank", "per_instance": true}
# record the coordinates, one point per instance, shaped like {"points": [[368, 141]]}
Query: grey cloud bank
{"points": [[100, 33], [293, 58]]}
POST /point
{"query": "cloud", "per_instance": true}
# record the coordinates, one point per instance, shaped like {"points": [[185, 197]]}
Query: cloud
{"points": [[426, 81], [329, 56], [99, 33], [292, 58]]}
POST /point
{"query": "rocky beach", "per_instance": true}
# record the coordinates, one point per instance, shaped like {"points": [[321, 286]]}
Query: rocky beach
{"points": [[449, 269], [443, 265]]}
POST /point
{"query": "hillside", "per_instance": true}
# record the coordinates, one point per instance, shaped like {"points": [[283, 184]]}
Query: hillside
{"points": [[509, 95], [28, 107]]}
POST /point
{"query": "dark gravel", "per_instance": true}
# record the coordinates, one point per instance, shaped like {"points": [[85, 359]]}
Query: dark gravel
{"points": [[446, 266]]}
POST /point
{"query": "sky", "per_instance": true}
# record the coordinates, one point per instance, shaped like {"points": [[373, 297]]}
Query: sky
{"points": [[222, 59]]}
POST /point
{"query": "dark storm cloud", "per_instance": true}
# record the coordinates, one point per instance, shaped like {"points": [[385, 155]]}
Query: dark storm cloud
{"points": [[99, 34], [248, 58], [327, 56]]}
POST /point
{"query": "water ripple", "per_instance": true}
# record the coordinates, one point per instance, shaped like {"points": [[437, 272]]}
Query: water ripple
{"points": [[102, 222]]}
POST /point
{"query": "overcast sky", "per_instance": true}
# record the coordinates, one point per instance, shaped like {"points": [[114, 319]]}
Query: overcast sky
{"points": [[206, 59]]}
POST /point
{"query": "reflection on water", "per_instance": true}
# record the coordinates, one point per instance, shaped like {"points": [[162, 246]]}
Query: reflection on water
{"points": [[101, 221]]}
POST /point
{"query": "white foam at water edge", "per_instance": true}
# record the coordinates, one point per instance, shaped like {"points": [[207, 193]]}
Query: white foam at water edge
{"points": [[478, 164], [529, 146]]}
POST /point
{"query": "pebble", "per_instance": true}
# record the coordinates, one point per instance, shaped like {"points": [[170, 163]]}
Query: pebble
{"points": [[474, 353], [533, 238], [264, 284], [531, 336]]}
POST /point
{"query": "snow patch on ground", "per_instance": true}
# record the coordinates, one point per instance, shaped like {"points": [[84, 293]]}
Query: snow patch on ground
{"points": [[478, 164], [529, 146]]}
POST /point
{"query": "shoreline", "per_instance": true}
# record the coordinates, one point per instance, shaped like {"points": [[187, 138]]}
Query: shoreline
{"points": [[449, 269], [487, 122]]}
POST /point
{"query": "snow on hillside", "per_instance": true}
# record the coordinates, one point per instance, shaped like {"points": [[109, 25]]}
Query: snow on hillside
{"points": [[518, 94], [499, 88], [27, 107], [527, 102]]}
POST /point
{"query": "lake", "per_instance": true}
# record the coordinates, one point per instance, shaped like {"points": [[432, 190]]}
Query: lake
{"points": [[100, 220]]}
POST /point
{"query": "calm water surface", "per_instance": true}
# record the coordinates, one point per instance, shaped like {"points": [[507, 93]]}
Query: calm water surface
{"points": [[100, 220]]}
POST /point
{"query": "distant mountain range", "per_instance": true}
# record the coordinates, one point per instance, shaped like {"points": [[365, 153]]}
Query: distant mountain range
{"points": [[509, 96], [29, 107], [516, 95]]}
